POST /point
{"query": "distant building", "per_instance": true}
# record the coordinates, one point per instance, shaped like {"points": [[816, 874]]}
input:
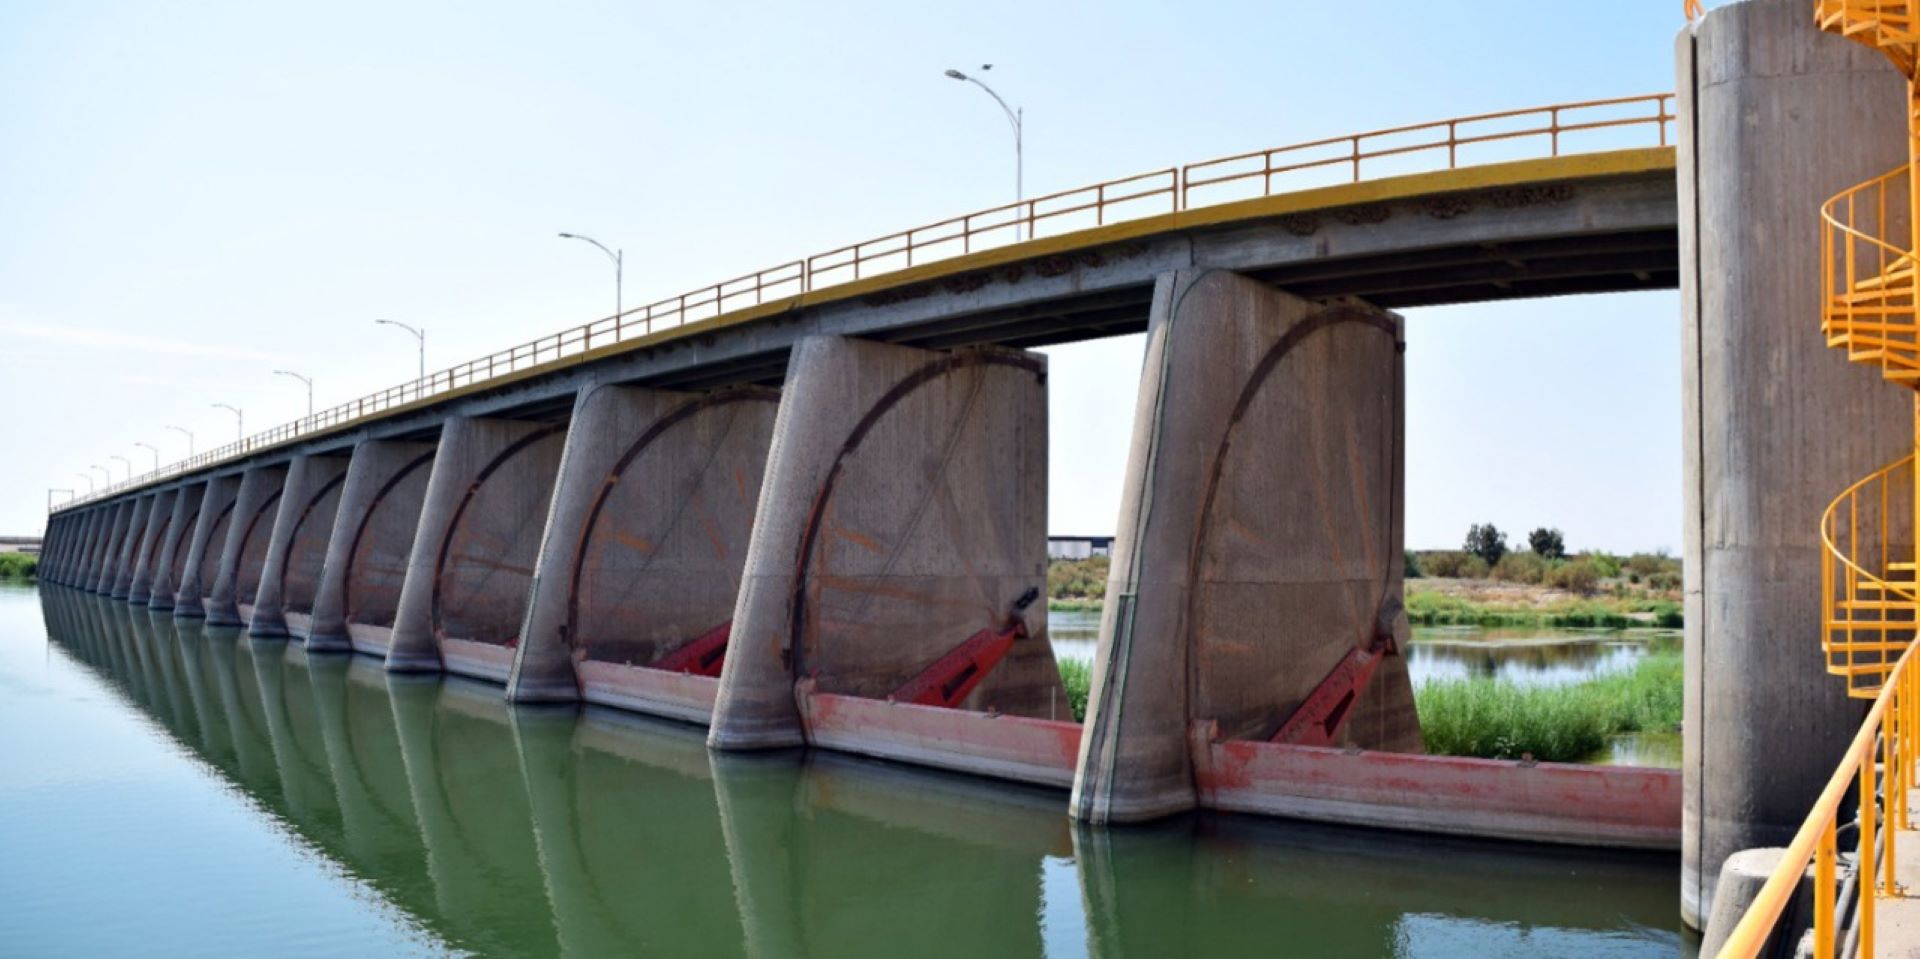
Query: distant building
{"points": [[19, 544], [1078, 547]]}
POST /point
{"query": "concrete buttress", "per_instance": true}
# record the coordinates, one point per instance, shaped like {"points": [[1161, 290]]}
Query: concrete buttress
{"points": [[1775, 423], [903, 513], [201, 565], [1259, 541], [283, 605], [366, 562], [120, 582], [172, 557], [243, 556], [644, 547], [465, 593], [159, 522]]}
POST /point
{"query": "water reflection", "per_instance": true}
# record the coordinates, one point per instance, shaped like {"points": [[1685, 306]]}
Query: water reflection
{"points": [[1529, 657], [562, 832]]}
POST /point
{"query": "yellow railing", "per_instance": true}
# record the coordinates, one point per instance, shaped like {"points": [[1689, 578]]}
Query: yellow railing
{"points": [[1886, 732], [1441, 145], [1886, 25], [1867, 577], [1868, 280]]}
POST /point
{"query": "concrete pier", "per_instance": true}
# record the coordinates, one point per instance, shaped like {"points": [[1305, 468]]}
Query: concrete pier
{"points": [[1259, 541], [1775, 424], [366, 561], [644, 547], [201, 565], [283, 605], [173, 547], [472, 559], [243, 556], [104, 569], [119, 581], [159, 523], [903, 512]]}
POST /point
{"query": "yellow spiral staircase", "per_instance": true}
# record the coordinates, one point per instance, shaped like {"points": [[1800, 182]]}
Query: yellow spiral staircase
{"points": [[1870, 582]]}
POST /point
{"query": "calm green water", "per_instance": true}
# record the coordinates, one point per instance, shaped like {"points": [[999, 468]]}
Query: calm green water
{"points": [[179, 791]]}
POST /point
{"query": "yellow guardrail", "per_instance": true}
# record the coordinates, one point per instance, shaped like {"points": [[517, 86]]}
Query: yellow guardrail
{"points": [[1544, 130], [1886, 732], [1867, 618]]}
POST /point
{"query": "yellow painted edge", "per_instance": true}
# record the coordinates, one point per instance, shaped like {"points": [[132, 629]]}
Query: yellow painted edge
{"points": [[1580, 166]]}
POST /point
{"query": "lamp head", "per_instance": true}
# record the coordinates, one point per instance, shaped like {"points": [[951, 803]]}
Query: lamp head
{"points": [[956, 75]]}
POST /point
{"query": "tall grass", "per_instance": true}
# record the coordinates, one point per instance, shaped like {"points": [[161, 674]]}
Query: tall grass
{"points": [[1077, 674], [1440, 609], [18, 566], [1497, 719]]}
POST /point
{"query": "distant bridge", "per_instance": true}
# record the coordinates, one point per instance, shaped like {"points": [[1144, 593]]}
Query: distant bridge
{"points": [[808, 505]]}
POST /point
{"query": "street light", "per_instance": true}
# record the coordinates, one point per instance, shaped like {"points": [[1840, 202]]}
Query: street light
{"points": [[55, 489], [617, 256], [239, 421], [123, 462], [89, 478], [104, 471], [156, 454], [189, 435], [1014, 117], [303, 380], [418, 334]]}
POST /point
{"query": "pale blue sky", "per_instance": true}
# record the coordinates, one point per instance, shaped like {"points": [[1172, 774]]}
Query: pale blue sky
{"points": [[194, 193]]}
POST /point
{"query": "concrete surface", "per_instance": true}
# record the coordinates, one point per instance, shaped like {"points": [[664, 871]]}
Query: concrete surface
{"points": [[120, 579], [903, 510], [647, 537], [1775, 423], [472, 559], [366, 559], [1259, 538], [283, 605]]}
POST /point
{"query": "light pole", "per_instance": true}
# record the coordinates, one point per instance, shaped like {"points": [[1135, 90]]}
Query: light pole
{"points": [[55, 489], [617, 256], [104, 472], [418, 334], [123, 462], [89, 478], [1016, 118], [303, 380], [156, 454], [239, 421], [187, 433]]}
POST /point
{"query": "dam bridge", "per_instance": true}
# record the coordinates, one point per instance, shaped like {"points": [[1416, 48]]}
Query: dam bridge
{"points": [[807, 506]]}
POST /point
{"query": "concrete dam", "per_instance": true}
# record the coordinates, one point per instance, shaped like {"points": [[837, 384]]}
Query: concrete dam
{"points": [[807, 507]]}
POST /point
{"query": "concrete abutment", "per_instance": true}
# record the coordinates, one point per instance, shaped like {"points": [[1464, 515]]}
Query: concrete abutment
{"points": [[303, 522], [201, 564], [243, 555]]}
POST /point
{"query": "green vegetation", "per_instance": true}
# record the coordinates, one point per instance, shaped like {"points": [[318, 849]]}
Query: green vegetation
{"points": [[1624, 612], [1497, 719], [1077, 674], [1547, 543], [1487, 542], [18, 566], [1076, 584]]}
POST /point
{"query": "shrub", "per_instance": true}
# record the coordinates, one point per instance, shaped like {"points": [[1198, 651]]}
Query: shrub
{"points": [[1498, 719], [1077, 579], [1487, 542], [18, 565], [1077, 676], [1665, 582], [1575, 576], [1445, 563], [1548, 543], [1607, 564], [1648, 564], [1411, 569], [1521, 568]]}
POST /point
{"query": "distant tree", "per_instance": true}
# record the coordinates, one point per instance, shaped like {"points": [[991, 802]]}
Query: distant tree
{"points": [[1547, 543], [1487, 542]]}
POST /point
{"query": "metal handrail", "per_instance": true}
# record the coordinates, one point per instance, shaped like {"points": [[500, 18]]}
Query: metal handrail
{"points": [[1157, 192], [1888, 727], [1864, 616]]}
